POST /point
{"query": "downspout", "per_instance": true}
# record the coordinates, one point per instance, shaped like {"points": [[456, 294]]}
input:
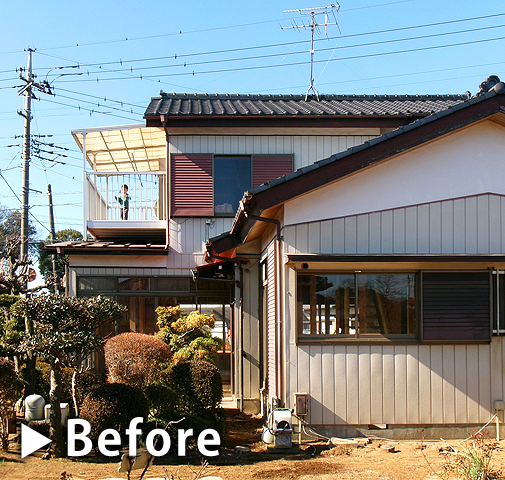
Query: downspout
{"points": [[84, 191], [278, 302], [238, 264]]}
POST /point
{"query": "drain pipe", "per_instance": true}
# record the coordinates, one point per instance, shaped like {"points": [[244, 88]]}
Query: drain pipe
{"points": [[278, 303]]}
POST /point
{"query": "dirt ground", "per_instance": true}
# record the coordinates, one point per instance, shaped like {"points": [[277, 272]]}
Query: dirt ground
{"points": [[378, 460]]}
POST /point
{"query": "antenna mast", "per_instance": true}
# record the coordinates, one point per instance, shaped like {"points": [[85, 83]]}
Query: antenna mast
{"points": [[330, 9]]}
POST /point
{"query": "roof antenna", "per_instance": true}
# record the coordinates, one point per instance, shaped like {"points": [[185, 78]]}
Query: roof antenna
{"points": [[330, 9]]}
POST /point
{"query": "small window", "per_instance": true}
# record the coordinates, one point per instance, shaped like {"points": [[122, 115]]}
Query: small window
{"points": [[96, 284], [357, 305], [133, 283]]}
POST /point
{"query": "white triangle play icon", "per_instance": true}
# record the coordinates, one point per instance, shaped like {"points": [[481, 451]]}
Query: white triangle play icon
{"points": [[31, 440]]}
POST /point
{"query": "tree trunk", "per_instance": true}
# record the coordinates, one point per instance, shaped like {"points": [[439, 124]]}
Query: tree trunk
{"points": [[74, 397], [30, 376], [56, 430]]}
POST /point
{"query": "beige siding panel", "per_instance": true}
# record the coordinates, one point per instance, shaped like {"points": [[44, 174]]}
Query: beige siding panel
{"points": [[399, 231], [302, 240], [435, 227], [350, 234], [364, 384], [423, 229], [388, 382], [316, 384], [303, 375], [483, 224], [459, 225], [447, 212], [413, 385], [471, 224], [485, 399], [472, 375], [448, 380], [377, 392], [352, 374], [411, 230], [387, 231], [425, 392], [374, 241], [497, 367], [362, 234], [315, 237], [502, 209], [437, 410], [460, 383], [326, 236], [340, 369], [400, 385], [338, 236], [495, 222], [327, 374]]}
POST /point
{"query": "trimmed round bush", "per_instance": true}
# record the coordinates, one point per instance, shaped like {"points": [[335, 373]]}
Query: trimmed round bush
{"points": [[113, 405], [135, 359], [198, 385]]}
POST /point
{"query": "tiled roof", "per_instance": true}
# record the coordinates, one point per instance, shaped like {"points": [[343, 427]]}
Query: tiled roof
{"points": [[225, 105]]}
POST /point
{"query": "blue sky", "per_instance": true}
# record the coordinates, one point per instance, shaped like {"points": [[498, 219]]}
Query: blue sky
{"points": [[126, 52]]}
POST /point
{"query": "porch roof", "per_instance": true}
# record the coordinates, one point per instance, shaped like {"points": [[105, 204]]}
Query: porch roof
{"points": [[123, 148], [106, 248]]}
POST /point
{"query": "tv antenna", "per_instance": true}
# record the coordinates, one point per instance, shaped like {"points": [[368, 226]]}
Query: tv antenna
{"points": [[313, 24]]}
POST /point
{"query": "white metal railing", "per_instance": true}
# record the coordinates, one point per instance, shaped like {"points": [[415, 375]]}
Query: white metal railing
{"points": [[146, 191]]}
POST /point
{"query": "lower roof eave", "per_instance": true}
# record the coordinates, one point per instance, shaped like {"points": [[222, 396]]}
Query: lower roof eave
{"points": [[396, 258]]}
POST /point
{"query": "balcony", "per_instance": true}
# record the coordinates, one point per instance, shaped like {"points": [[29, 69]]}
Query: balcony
{"points": [[131, 155]]}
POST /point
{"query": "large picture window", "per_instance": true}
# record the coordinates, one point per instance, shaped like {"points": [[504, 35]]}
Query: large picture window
{"points": [[357, 305]]}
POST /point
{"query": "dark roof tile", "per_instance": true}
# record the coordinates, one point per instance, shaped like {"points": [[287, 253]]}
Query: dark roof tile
{"points": [[176, 104]]}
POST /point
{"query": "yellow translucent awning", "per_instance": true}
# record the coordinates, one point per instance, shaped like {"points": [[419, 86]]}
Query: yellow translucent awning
{"points": [[126, 148]]}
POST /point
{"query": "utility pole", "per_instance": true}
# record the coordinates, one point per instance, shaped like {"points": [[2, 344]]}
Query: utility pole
{"points": [[27, 114], [53, 239], [27, 91]]}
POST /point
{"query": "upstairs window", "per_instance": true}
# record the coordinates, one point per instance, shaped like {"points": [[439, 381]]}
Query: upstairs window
{"points": [[213, 185]]}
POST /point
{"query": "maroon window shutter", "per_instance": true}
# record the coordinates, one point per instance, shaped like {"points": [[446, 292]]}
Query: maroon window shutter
{"points": [[192, 185], [270, 167]]}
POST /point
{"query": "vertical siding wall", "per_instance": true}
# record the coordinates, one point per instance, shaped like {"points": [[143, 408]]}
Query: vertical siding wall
{"points": [[399, 384], [473, 225], [306, 149]]}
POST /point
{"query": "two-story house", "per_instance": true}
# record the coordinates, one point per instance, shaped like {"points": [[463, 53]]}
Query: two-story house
{"points": [[186, 171]]}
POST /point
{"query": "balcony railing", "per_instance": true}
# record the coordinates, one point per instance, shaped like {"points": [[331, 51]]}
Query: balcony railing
{"points": [[146, 191]]}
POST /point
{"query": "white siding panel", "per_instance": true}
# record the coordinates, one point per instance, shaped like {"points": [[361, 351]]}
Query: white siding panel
{"points": [[399, 231], [413, 385], [448, 379], [483, 224], [376, 387], [387, 231], [352, 376], [328, 372]]}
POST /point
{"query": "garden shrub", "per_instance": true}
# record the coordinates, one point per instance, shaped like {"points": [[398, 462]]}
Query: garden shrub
{"points": [[135, 359], [189, 336], [10, 391], [85, 382], [192, 390], [199, 385], [113, 405]]}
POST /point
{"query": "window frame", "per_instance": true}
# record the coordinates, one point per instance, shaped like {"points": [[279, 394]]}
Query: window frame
{"points": [[359, 337], [398, 339], [199, 168]]}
